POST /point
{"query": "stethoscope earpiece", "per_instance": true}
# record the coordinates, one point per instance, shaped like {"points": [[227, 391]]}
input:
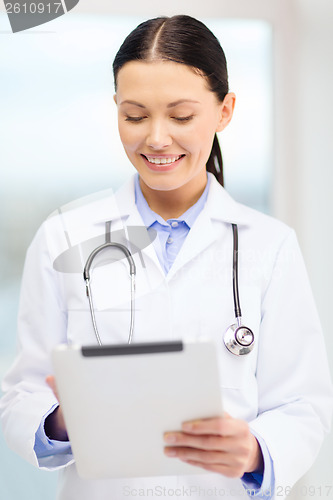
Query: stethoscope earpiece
{"points": [[239, 340]]}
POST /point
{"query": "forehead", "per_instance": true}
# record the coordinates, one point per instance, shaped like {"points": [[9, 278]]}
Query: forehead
{"points": [[161, 80]]}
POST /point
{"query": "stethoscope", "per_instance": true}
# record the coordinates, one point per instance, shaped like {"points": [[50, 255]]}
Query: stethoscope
{"points": [[238, 339]]}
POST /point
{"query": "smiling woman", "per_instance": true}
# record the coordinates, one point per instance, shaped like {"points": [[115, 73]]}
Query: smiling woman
{"points": [[173, 98]]}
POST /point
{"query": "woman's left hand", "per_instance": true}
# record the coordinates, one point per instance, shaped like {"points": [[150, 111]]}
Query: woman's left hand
{"points": [[224, 445]]}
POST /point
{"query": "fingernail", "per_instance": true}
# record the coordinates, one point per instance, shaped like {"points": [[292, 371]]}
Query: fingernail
{"points": [[170, 438], [187, 426]]}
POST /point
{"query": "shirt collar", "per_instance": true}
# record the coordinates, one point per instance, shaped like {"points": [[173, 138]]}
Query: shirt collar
{"points": [[149, 217], [110, 206]]}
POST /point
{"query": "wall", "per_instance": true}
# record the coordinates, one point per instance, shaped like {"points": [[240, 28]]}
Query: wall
{"points": [[313, 206]]}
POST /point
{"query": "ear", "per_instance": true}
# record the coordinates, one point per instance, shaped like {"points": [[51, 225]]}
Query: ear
{"points": [[226, 111], [115, 98]]}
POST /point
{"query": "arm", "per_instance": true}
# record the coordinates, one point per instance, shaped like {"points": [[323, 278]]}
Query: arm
{"points": [[42, 323], [293, 382]]}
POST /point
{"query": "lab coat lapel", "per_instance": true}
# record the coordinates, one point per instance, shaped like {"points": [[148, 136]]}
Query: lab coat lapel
{"points": [[220, 207], [145, 245], [129, 219]]}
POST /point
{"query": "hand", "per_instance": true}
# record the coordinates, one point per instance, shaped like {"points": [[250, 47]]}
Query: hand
{"points": [[55, 427], [224, 445]]}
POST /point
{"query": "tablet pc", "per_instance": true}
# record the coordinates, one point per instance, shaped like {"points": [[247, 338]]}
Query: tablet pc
{"points": [[118, 400]]}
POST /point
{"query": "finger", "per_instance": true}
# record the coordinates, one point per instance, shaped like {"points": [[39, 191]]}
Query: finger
{"points": [[201, 441], [201, 456], [232, 445], [221, 426], [224, 463]]}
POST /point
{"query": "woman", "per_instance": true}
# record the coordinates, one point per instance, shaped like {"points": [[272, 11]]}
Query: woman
{"points": [[172, 97]]}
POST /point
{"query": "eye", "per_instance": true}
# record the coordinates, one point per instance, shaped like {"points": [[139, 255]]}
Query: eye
{"points": [[183, 118], [134, 119]]}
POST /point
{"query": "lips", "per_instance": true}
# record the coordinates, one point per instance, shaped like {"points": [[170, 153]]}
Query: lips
{"points": [[162, 163], [162, 160]]}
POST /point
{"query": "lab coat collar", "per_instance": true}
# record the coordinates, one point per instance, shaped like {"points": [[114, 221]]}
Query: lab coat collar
{"points": [[120, 208], [219, 206], [122, 204]]}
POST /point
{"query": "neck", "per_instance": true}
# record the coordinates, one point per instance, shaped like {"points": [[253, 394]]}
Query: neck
{"points": [[173, 203]]}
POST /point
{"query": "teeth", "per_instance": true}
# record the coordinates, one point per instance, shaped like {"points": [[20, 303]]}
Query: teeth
{"points": [[162, 161]]}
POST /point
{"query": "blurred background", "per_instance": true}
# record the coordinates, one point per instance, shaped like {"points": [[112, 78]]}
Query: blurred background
{"points": [[59, 141]]}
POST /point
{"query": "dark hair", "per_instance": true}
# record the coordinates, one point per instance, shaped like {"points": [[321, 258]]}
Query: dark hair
{"points": [[184, 40]]}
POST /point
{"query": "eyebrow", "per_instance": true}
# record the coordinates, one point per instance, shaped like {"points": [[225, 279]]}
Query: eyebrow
{"points": [[181, 101], [170, 105]]}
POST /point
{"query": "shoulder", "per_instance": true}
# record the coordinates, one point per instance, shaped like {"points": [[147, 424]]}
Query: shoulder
{"points": [[84, 217], [258, 226]]}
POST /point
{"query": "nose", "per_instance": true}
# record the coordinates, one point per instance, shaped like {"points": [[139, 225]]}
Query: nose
{"points": [[158, 136]]}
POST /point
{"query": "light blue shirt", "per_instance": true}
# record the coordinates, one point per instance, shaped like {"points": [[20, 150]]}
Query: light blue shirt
{"points": [[171, 235]]}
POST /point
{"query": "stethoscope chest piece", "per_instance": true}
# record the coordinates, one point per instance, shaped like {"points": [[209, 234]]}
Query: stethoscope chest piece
{"points": [[239, 340]]}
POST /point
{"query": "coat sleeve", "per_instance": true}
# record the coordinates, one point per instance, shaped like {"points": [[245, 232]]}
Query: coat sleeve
{"points": [[42, 323], [294, 386]]}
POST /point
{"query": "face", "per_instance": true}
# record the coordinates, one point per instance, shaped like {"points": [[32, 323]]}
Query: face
{"points": [[167, 119]]}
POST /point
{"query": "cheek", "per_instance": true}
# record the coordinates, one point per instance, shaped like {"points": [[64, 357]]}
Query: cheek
{"points": [[198, 142], [200, 137], [129, 136]]}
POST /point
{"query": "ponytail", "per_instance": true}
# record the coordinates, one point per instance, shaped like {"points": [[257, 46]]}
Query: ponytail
{"points": [[215, 161]]}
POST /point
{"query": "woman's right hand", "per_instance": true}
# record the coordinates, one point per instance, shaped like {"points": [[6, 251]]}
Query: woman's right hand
{"points": [[55, 427]]}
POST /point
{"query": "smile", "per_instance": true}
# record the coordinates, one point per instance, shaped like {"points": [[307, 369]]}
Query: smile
{"points": [[157, 160]]}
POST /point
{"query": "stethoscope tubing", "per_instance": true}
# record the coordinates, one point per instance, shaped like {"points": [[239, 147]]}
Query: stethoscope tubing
{"points": [[238, 338], [86, 276], [237, 308]]}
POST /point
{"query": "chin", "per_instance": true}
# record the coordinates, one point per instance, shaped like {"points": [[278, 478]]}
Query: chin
{"points": [[163, 184]]}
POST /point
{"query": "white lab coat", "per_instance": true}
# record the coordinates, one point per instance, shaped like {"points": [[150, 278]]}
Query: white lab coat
{"points": [[282, 388]]}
